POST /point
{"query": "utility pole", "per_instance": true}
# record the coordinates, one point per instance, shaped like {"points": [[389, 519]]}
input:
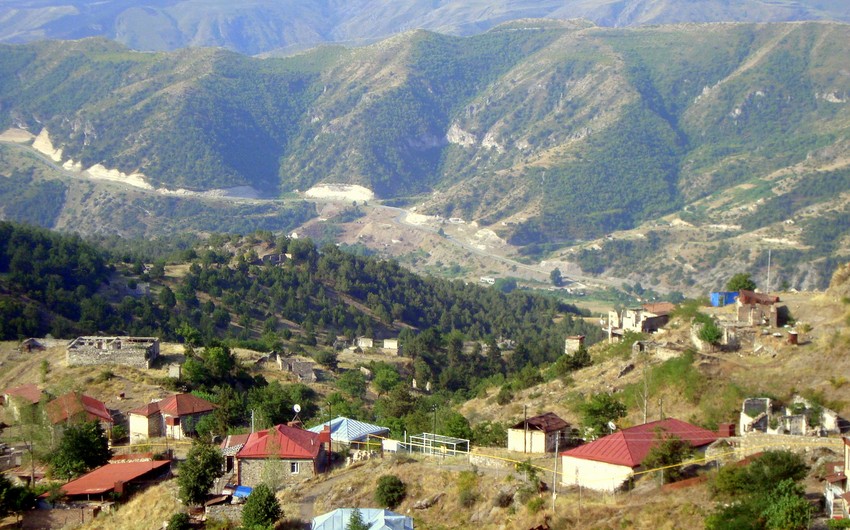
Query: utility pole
{"points": [[661, 408], [525, 425], [767, 287], [555, 474]]}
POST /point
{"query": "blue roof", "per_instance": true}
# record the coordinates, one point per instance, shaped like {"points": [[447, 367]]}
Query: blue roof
{"points": [[348, 430], [242, 491], [377, 519]]}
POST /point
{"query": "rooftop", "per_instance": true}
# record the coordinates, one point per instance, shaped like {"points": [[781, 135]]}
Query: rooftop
{"points": [[348, 430], [176, 405], [73, 404], [29, 392], [104, 479], [547, 422], [629, 447], [282, 441]]}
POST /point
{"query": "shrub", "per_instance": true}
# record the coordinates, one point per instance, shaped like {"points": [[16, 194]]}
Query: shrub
{"points": [[179, 521], [503, 499], [390, 491], [535, 504], [261, 509]]}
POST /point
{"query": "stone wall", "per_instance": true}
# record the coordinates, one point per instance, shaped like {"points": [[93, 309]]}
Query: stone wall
{"points": [[253, 471], [129, 351], [743, 446], [232, 512]]}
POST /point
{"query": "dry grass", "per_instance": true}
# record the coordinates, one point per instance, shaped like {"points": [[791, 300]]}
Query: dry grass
{"points": [[146, 510]]}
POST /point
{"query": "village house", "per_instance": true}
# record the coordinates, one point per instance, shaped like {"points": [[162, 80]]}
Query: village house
{"points": [[75, 407], [608, 462], [173, 417], [648, 318], [539, 434], [837, 487], [365, 342], [391, 344], [800, 418], [19, 397], [290, 454], [138, 352]]}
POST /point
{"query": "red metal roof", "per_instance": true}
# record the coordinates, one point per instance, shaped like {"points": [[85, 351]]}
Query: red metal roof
{"points": [[282, 441], [660, 308], [547, 422], [749, 297], [629, 447], [30, 392], [74, 404], [176, 405], [103, 479]]}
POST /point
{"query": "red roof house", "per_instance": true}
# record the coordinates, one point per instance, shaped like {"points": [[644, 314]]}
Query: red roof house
{"points": [[115, 478], [21, 396], [290, 452], [173, 417], [606, 463], [75, 406]]}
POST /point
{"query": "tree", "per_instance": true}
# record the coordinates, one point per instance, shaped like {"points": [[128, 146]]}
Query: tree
{"points": [[262, 508], [390, 491], [668, 450], [386, 378], [356, 522], [328, 359], [599, 411], [197, 474], [787, 507], [83, 447], [353, 383], [710, 332], [555, 276], [14, 499], [741, 282]]}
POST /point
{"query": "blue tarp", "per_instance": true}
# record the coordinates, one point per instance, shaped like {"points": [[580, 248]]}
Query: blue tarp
{"points": [[723, 298], [242, 491]]}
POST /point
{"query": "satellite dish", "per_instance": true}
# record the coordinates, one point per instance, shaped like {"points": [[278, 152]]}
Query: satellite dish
{"points": [[611, 426], [296, 408]]}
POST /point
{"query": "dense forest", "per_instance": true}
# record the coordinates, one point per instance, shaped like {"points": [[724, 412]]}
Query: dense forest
{"points": [[60, 284]]}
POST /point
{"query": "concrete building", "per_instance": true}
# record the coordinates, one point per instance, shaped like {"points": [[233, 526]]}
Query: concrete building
{"points": [[539, 434], [758, 309], [138, 352], [647, 318], [607, 463], [573, 343], [173, 417]]}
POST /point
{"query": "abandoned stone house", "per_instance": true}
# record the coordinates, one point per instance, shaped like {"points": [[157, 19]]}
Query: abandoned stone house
{"points": [[138, 352], [303, 370], [648, 318], [758, 309], [800, 418]]}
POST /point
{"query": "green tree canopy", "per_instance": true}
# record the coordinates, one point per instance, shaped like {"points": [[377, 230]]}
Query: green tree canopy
{"points": [[599, 411], [668, 451], [356, 522], [262, 508], [741, 282], [198, 472], [83, 447]]}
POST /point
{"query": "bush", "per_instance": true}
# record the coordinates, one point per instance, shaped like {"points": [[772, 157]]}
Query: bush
{"points": [[179, 521], [390, 491], [535, 504]]}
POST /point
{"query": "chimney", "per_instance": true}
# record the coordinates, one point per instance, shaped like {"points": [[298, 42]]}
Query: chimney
{"points": [[726, 430]]}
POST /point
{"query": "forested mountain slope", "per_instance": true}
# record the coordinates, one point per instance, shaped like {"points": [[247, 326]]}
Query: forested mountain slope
{"points": [[264, 25], [562, 131]]}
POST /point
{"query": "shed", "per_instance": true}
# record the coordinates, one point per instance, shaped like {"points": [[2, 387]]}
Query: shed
{"points": [[114, 478], [350, 432], [723, 298], [539, 434]]}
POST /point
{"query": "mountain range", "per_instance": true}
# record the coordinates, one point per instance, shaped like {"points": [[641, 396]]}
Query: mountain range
{"points": [[263, 26], [549, 132]]}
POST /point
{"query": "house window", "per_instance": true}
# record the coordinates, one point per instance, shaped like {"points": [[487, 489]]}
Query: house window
{"points": [[293, 468]]}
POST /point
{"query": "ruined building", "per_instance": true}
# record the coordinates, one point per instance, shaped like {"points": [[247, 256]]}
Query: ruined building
{"points": [[139, 352]]}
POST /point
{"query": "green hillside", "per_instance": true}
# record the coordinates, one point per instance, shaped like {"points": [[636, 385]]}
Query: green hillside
{"points": [[550, 132]]}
